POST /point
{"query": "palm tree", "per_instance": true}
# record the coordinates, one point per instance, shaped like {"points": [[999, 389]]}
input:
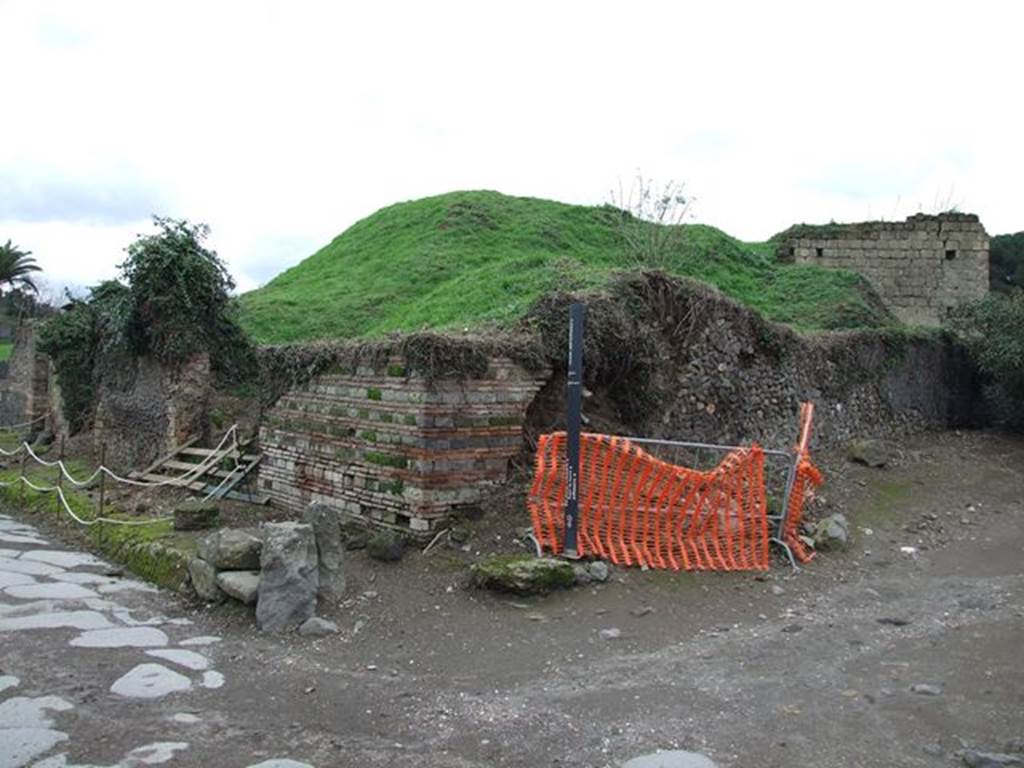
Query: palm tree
{"points": [[16, 267]]}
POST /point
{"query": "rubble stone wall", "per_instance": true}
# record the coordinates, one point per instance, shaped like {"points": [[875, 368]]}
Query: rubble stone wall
{"points": [[390, 449], [24, 390], [920, 267]]}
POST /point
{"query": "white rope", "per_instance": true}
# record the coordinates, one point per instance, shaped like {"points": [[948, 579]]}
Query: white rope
{"points": [[71, 512], [13, 427], [199, 469]]}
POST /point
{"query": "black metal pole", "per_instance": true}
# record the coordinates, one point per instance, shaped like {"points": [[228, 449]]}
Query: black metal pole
{"points": [[574, 407]]}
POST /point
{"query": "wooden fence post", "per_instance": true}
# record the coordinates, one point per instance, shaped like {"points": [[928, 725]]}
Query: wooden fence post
{"points": [[103, 476]]}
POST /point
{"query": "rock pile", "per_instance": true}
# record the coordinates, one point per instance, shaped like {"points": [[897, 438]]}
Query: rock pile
{"points": [[282, 569]]}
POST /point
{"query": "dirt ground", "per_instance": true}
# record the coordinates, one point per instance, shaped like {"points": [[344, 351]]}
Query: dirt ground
{"points": [[811, 668]]}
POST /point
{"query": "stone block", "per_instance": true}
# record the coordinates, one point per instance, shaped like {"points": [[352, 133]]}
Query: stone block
{"points": [[204, 580], [241, 585], [196, 516], [231, 550], [323, 520]]}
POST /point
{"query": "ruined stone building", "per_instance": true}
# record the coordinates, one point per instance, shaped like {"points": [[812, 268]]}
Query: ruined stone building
{"points": [[920, 267]]}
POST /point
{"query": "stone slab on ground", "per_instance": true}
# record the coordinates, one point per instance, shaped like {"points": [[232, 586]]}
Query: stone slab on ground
{"points": [[523, 574], [241, 585]]}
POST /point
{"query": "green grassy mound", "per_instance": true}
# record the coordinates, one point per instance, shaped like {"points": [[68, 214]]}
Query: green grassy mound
{"points": [[472, 259]]}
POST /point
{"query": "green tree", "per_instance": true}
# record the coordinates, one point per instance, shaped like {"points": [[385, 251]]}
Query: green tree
{"points": [[993, 330], [1006, 262], [16, 267]]}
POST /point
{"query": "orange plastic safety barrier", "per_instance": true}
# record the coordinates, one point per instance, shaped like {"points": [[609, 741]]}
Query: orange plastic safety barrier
{"points": [[807, 475], [636, 509]]}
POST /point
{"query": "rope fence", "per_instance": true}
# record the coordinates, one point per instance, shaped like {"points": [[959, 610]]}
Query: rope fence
{"points": [[102, 472]]}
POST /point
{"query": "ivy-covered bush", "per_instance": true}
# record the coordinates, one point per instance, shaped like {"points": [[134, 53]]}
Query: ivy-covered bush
{"points": [[993, 329], [173, 303], [75, 338]]}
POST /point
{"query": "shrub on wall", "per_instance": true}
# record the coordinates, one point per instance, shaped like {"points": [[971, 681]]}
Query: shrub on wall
{"points": [[993, 329], [75, 338], [174, 303]]}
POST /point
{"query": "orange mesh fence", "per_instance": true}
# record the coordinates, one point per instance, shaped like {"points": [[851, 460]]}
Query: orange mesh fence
{"points": [[806, 477], [636, 509]]}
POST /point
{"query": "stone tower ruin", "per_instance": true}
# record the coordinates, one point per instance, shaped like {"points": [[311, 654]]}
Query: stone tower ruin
{"points": [[921, 267]]}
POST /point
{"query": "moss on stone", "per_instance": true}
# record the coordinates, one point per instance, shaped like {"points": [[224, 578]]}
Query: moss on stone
{"points": [[522, 574]]}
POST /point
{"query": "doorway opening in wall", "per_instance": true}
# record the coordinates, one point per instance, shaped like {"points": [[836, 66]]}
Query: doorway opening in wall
{"points": [[819, 252]]}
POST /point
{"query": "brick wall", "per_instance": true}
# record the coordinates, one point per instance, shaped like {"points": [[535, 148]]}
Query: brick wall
{"points": [[392, 449], [920, 267]]}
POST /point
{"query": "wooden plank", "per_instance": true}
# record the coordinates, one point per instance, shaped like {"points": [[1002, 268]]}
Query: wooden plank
{"points": [[184, 465], [162, 459], [193, 485], [241, 473]]}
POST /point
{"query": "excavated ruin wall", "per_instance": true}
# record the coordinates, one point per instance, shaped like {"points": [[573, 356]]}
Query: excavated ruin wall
{"points": [[24, 385], [144, 409], [920, 267], [673, 359], [390, 448]]}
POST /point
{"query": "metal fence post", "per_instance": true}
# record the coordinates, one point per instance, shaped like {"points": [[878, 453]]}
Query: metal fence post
{"points": [[574, 409]]}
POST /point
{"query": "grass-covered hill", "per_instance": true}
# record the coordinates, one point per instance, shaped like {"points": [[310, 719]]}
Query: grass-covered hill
{"points": [[472, 259]]}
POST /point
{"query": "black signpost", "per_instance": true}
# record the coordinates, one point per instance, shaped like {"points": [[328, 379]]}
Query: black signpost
{"points": [[574, 387]]}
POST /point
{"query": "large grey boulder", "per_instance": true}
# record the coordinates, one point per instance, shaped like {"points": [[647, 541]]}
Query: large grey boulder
{"points": [[230, 549], [288, 577], [241, 585], [330, 553], [204, 580]]}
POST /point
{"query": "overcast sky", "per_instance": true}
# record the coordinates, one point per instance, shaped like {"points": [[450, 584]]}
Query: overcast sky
{"points": [[282, 123]]}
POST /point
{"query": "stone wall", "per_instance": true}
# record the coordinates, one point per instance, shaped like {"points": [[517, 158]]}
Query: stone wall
{"points": [[144, 409], [727, 375], [390, 448], [920, 267], [24, 390]]}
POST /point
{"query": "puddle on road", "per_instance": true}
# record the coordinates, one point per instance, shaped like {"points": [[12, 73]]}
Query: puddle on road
{"points": [[188, 659], [151, 754], [53, 590], [8, 579], [150, 681], [17, 538], [121, 637], [212, 679], [26, 730], [201, 640], [671, 759], [31, 567], [62, 558], [81, 620], [82, 577]]}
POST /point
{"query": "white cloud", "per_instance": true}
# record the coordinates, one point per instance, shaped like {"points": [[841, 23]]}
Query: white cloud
{"points": [[280, 124]]}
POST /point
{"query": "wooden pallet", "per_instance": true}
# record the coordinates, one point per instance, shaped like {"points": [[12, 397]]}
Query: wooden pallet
{"points": [[222, 469]]}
